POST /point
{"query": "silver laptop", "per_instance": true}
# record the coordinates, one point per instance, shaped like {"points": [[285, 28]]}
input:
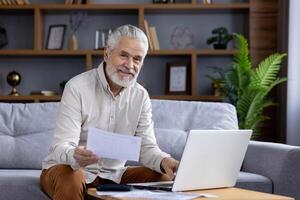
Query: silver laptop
{"points": [[211, 159]]}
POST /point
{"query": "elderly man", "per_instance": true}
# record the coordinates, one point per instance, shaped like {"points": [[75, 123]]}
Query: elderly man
{"points": [[108, 98]]}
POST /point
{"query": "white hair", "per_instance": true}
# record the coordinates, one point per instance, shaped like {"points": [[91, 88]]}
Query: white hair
{"points": [[127, 30]]}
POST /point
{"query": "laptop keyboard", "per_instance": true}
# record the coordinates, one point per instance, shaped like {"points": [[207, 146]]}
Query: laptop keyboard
{"points": [[163, 185]]}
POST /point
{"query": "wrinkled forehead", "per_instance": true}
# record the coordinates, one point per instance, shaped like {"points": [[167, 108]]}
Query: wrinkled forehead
{"points": [[132, 46]]}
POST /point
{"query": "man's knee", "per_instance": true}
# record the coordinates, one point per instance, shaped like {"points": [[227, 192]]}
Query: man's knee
{"points": [[62, 182]]}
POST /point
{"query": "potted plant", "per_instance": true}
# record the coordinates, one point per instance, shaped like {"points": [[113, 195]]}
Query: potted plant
{"points": [[247, 88], [220, 39], [217, 80]]}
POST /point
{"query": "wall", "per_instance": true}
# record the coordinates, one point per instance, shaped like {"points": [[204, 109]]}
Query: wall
{"points": [[293, 93]]}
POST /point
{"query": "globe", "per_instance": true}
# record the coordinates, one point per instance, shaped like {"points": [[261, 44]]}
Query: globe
{"points": [[13, 79]]}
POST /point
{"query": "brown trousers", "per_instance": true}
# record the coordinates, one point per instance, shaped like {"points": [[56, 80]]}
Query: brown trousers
{"points": [[62, 182]]}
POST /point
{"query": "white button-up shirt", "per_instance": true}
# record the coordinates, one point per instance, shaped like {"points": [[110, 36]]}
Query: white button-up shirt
{"points": [[87, 101]]}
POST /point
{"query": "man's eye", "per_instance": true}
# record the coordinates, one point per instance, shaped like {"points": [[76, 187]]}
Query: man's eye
{"points": [[124, 55], [137, 59]]}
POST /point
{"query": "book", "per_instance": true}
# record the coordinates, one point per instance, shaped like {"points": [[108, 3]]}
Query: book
{"points": [[44, 93], [20, 2], [148, 34], [154, 38], [207, 1], [68, 2], [26, 2]]}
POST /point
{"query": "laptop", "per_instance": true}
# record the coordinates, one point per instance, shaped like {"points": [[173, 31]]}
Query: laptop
{"points": [[211, 159]]}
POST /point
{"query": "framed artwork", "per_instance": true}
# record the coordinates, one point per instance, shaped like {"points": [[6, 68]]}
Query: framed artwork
{"points": [[178, 78], [56, 34]]}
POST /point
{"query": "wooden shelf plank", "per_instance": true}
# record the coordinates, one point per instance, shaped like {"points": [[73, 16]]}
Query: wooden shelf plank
{"points": [[37, 98], [175, 6], [215, 52], [28, 52], [43, 52], [188, 97], [189, 6]]}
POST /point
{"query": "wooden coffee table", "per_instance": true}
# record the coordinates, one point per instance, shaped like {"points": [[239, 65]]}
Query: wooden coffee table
{"points": [[222, 194]]}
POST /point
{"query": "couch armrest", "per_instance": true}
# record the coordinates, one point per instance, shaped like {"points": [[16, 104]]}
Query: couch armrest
{"points": [[279, 162]]}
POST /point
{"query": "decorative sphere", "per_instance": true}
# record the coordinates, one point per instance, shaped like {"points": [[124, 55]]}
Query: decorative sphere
{"points": [[182, 38], [13, 78]]}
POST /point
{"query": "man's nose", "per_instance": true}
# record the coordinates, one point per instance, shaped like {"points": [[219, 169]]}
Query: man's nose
{"points": [[129, 63]]}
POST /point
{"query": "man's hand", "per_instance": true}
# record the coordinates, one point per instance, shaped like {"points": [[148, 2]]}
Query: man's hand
{"points": [[84, 157], [169, 166]]}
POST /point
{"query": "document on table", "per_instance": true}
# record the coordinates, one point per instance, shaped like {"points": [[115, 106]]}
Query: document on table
{"points": [[156, 195], [112, 145]]}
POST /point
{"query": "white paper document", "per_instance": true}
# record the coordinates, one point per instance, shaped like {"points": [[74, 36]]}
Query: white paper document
{"points": [[152, 195], [112, 145], [156, 195]]}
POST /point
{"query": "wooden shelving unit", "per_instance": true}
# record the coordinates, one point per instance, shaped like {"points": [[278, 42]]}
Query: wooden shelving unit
{"points": [[39, 10]]}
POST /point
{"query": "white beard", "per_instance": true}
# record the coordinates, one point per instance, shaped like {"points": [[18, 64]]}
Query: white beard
{"points": [[112, 74]]}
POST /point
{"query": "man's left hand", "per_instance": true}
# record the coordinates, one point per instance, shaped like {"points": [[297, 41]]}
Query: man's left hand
{"points": [[169, 166]]}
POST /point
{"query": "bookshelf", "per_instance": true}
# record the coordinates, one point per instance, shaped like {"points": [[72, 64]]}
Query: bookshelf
{"points": [[140, 12]]}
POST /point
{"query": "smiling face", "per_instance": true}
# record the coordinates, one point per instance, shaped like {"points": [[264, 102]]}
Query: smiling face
{"points": [[124, 61]]}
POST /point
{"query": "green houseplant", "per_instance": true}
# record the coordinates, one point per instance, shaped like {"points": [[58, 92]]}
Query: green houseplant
{"points": [[247, 88], [220, 39]]}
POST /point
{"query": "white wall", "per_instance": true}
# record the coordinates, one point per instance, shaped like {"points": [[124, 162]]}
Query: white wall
{"points": [[293, 93]]}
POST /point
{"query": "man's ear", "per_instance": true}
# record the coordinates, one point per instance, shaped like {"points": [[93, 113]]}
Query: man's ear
{"points": [[105, 54]]}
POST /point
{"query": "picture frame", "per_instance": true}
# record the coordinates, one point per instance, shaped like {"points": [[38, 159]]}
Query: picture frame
{"points": [[178, 78], [56, 34]]}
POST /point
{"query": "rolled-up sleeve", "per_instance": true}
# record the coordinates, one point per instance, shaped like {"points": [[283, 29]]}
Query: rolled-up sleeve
{"points": [[150, 156], [68, 127]]}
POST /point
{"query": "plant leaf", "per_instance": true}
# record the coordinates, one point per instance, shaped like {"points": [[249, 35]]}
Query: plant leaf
{"points": [[267, 71]]}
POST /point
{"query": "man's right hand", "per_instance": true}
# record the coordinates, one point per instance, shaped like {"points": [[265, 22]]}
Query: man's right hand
{"points": [[84, 157]]}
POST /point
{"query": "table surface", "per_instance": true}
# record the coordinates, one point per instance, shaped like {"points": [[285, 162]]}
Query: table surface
{"points": [[223, 193]]}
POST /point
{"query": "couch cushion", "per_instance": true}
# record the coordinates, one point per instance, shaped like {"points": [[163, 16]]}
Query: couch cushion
{"points": [[25, 133], [20, 185], [183, 115], [254, 182], [171, 141]]}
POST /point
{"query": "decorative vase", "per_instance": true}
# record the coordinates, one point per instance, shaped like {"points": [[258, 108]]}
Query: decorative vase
{"points": [[73, 42]]}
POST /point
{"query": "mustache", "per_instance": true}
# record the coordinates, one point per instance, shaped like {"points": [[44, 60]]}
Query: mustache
{"points": [[127, 70]]}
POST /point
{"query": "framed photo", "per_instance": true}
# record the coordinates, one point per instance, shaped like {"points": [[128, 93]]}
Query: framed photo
{"points": [[178, 78], [56, 34]]}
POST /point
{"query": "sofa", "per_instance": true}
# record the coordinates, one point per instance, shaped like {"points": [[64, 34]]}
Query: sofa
{"points": [[26, 135]]}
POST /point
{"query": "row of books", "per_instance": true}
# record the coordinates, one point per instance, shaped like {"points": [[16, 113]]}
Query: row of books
{"points": [[14, 2], [207, 1], [75, 2], [152, 36]]}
